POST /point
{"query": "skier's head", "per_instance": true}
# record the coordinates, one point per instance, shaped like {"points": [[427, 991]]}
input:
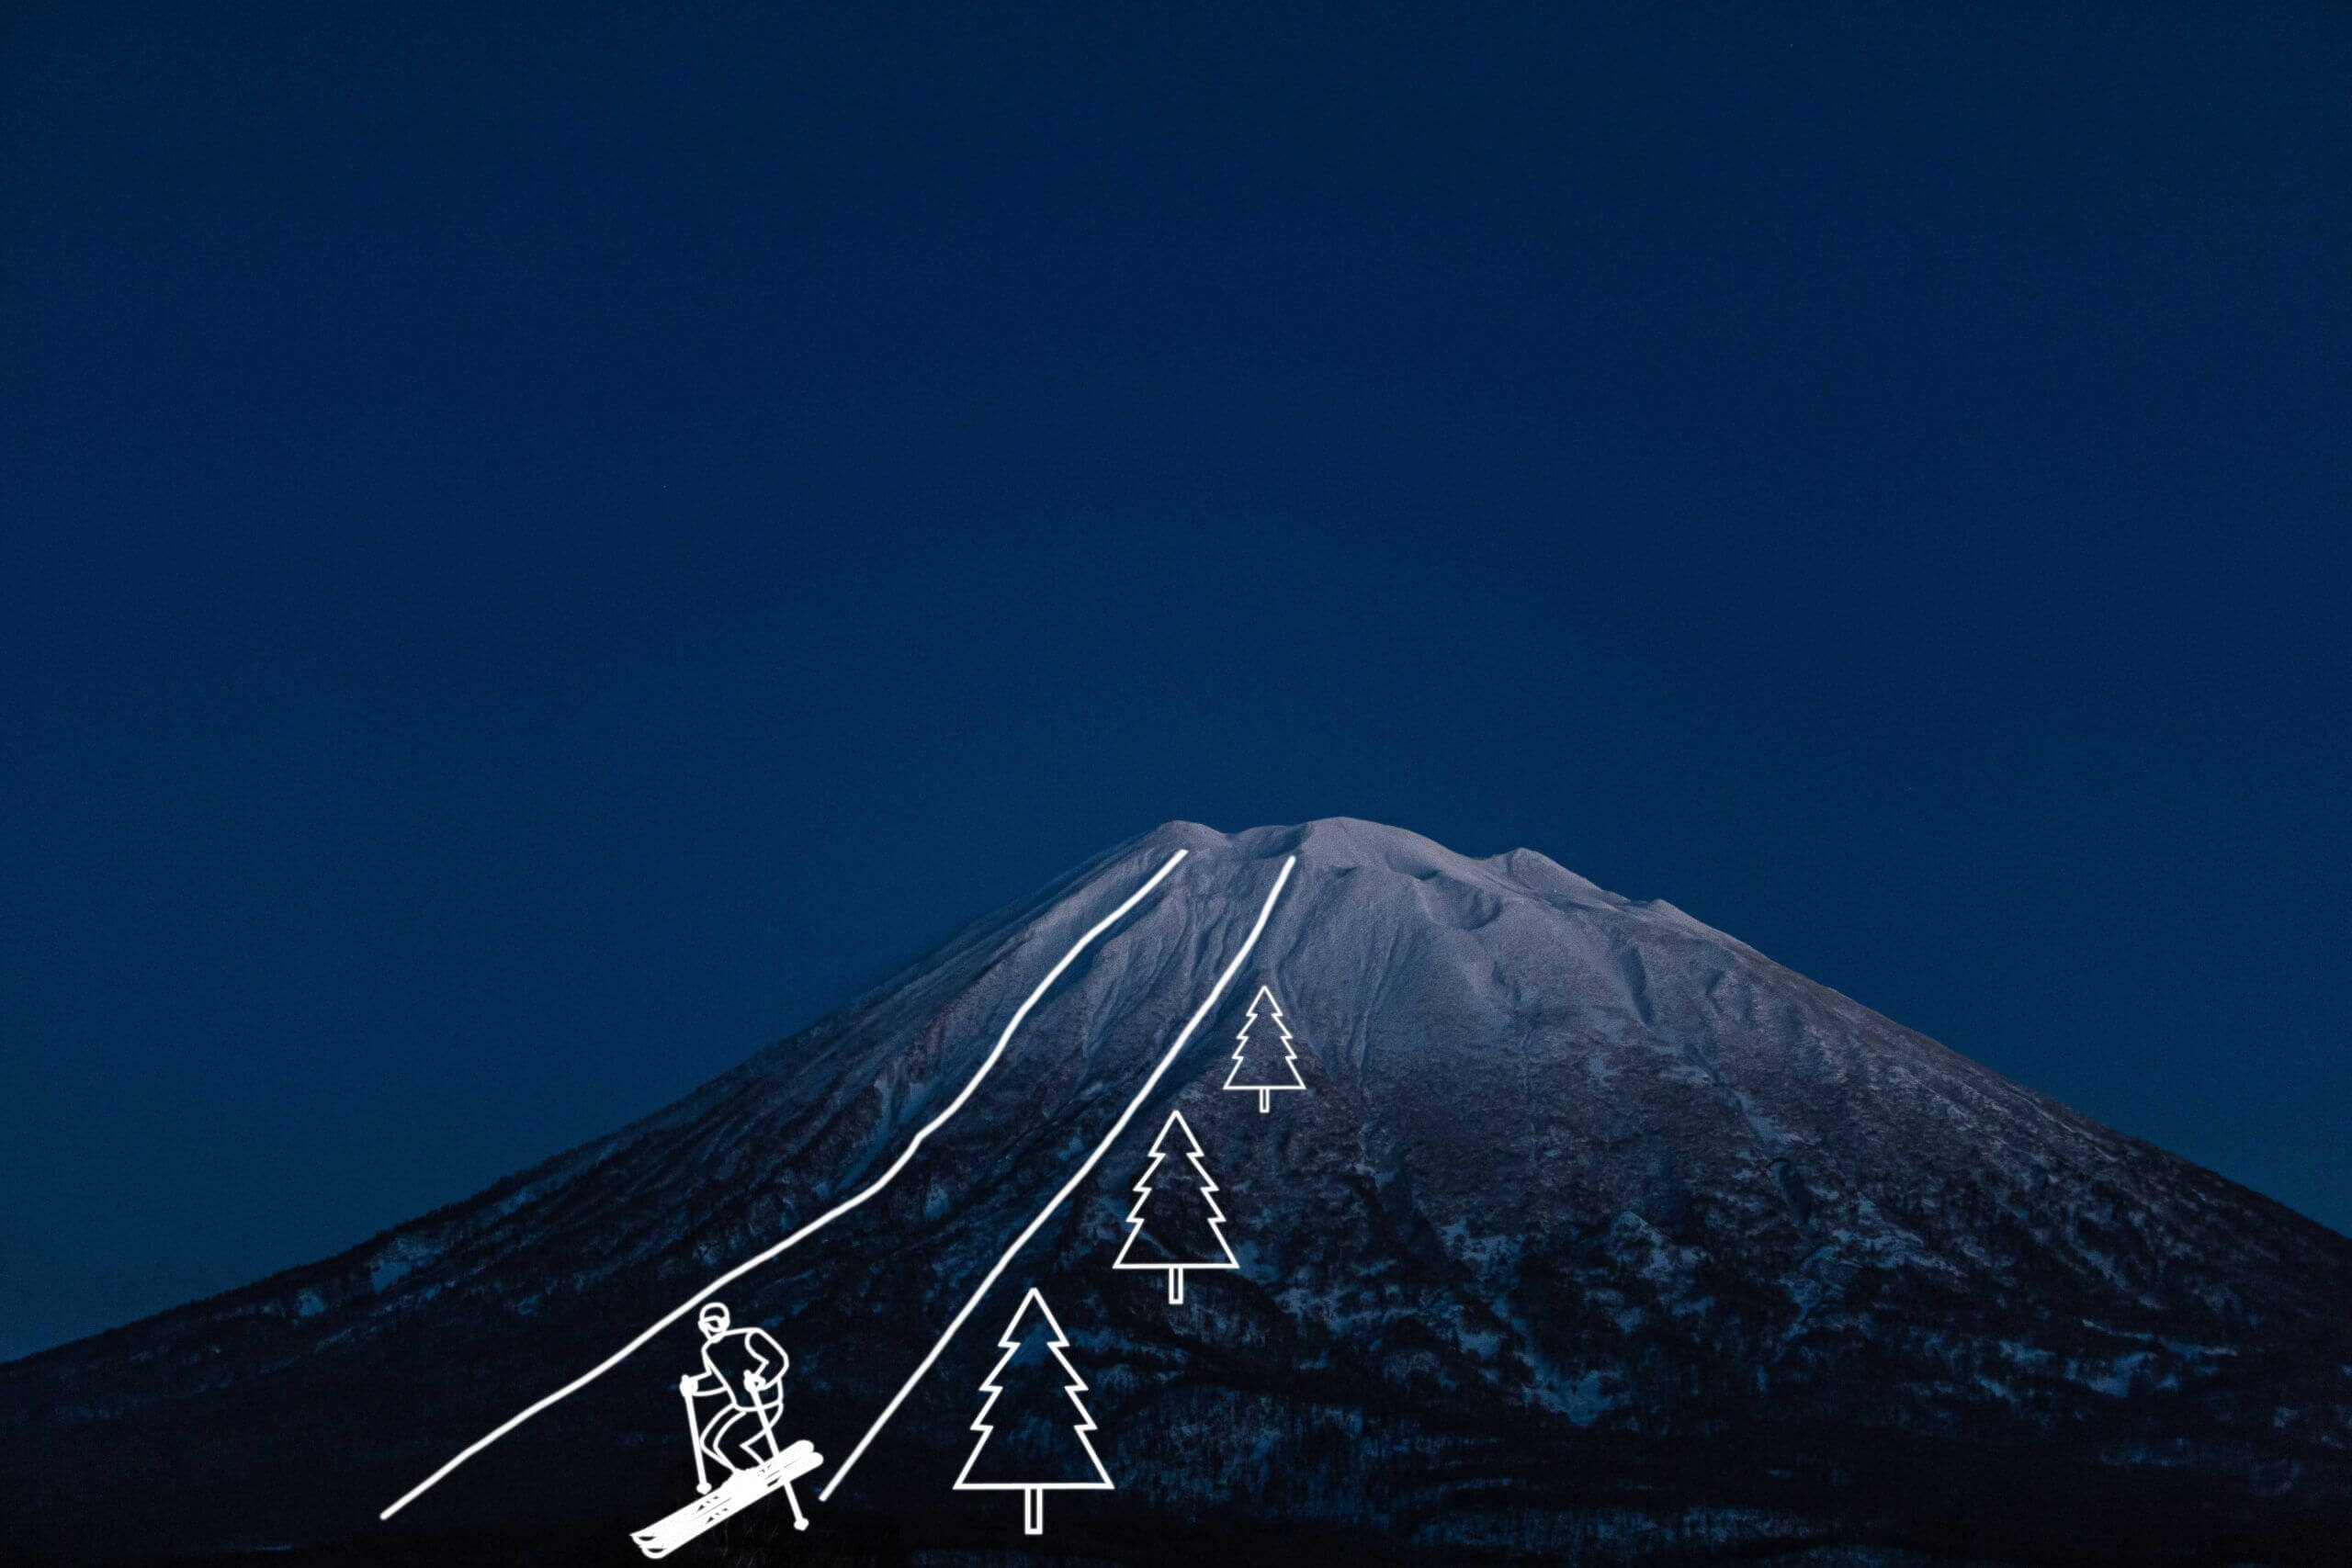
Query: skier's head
{"points": [[713, 1319]]}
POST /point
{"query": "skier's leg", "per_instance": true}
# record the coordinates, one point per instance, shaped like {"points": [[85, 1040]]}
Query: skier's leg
{"points": [[713, 1438], [747, 1444], [767, 1426]]}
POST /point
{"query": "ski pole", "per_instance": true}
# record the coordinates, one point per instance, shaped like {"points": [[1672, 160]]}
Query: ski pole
{"points": [[693, 1438]]}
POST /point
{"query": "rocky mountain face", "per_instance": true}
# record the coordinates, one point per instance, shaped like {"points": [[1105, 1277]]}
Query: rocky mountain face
{"points": [[1595, 1236]]}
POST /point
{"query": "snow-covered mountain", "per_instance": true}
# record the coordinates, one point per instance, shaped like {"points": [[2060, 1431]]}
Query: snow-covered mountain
{"points": [[1595, 1234]]}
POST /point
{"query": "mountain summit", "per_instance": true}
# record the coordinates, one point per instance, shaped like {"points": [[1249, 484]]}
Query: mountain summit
{"points": [[1593, 1233]]}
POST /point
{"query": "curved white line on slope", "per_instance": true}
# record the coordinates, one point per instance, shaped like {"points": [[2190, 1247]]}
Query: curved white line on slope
{"points": [[825, 1494], [820, 1223]]}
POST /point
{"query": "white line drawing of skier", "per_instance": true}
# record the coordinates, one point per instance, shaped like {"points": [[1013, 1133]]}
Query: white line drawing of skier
{"points": [[743, 1370], [745, 1366]]}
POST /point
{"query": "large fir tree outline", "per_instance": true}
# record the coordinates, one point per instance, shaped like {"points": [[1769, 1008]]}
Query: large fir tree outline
{"points": [[1032, 1499], [1264, 1084], [1175, 1270]]}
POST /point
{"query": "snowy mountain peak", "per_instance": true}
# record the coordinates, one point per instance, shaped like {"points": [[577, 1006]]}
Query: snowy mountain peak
{"points": [[1589, 1228]]}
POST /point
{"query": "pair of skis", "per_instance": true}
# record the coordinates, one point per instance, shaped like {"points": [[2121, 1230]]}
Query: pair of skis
{"points": [[738, 1492]]}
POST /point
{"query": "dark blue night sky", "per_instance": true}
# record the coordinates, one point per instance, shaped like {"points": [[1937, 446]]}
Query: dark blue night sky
{"points": [[538, 554]]}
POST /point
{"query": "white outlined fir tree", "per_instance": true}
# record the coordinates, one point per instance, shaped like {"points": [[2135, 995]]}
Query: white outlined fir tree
{"points": [[1183, 1229], [1253, 1063], [1024, 1427]]}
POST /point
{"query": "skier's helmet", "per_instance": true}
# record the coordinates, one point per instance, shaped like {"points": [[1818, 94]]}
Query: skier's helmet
{"points": [[713, 1318]]}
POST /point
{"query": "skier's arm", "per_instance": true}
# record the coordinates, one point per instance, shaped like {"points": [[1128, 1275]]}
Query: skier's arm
{"points": [[770, 1358], [701, 1384]]}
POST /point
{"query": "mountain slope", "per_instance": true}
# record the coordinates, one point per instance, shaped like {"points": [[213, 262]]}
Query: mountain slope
{"points": [[1596, 1234]]}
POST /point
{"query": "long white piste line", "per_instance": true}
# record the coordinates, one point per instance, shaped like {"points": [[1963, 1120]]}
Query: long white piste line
{"points": [[826, 1492], [820, 1223]]}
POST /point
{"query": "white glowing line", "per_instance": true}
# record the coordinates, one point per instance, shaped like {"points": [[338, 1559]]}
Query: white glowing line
{"points": [[820, 1223], [1068, 1187]]}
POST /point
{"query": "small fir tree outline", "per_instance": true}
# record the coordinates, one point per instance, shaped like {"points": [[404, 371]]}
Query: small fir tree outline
{"points": [[1143, 1190], [1032, 1493], [1241, 1052]]}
